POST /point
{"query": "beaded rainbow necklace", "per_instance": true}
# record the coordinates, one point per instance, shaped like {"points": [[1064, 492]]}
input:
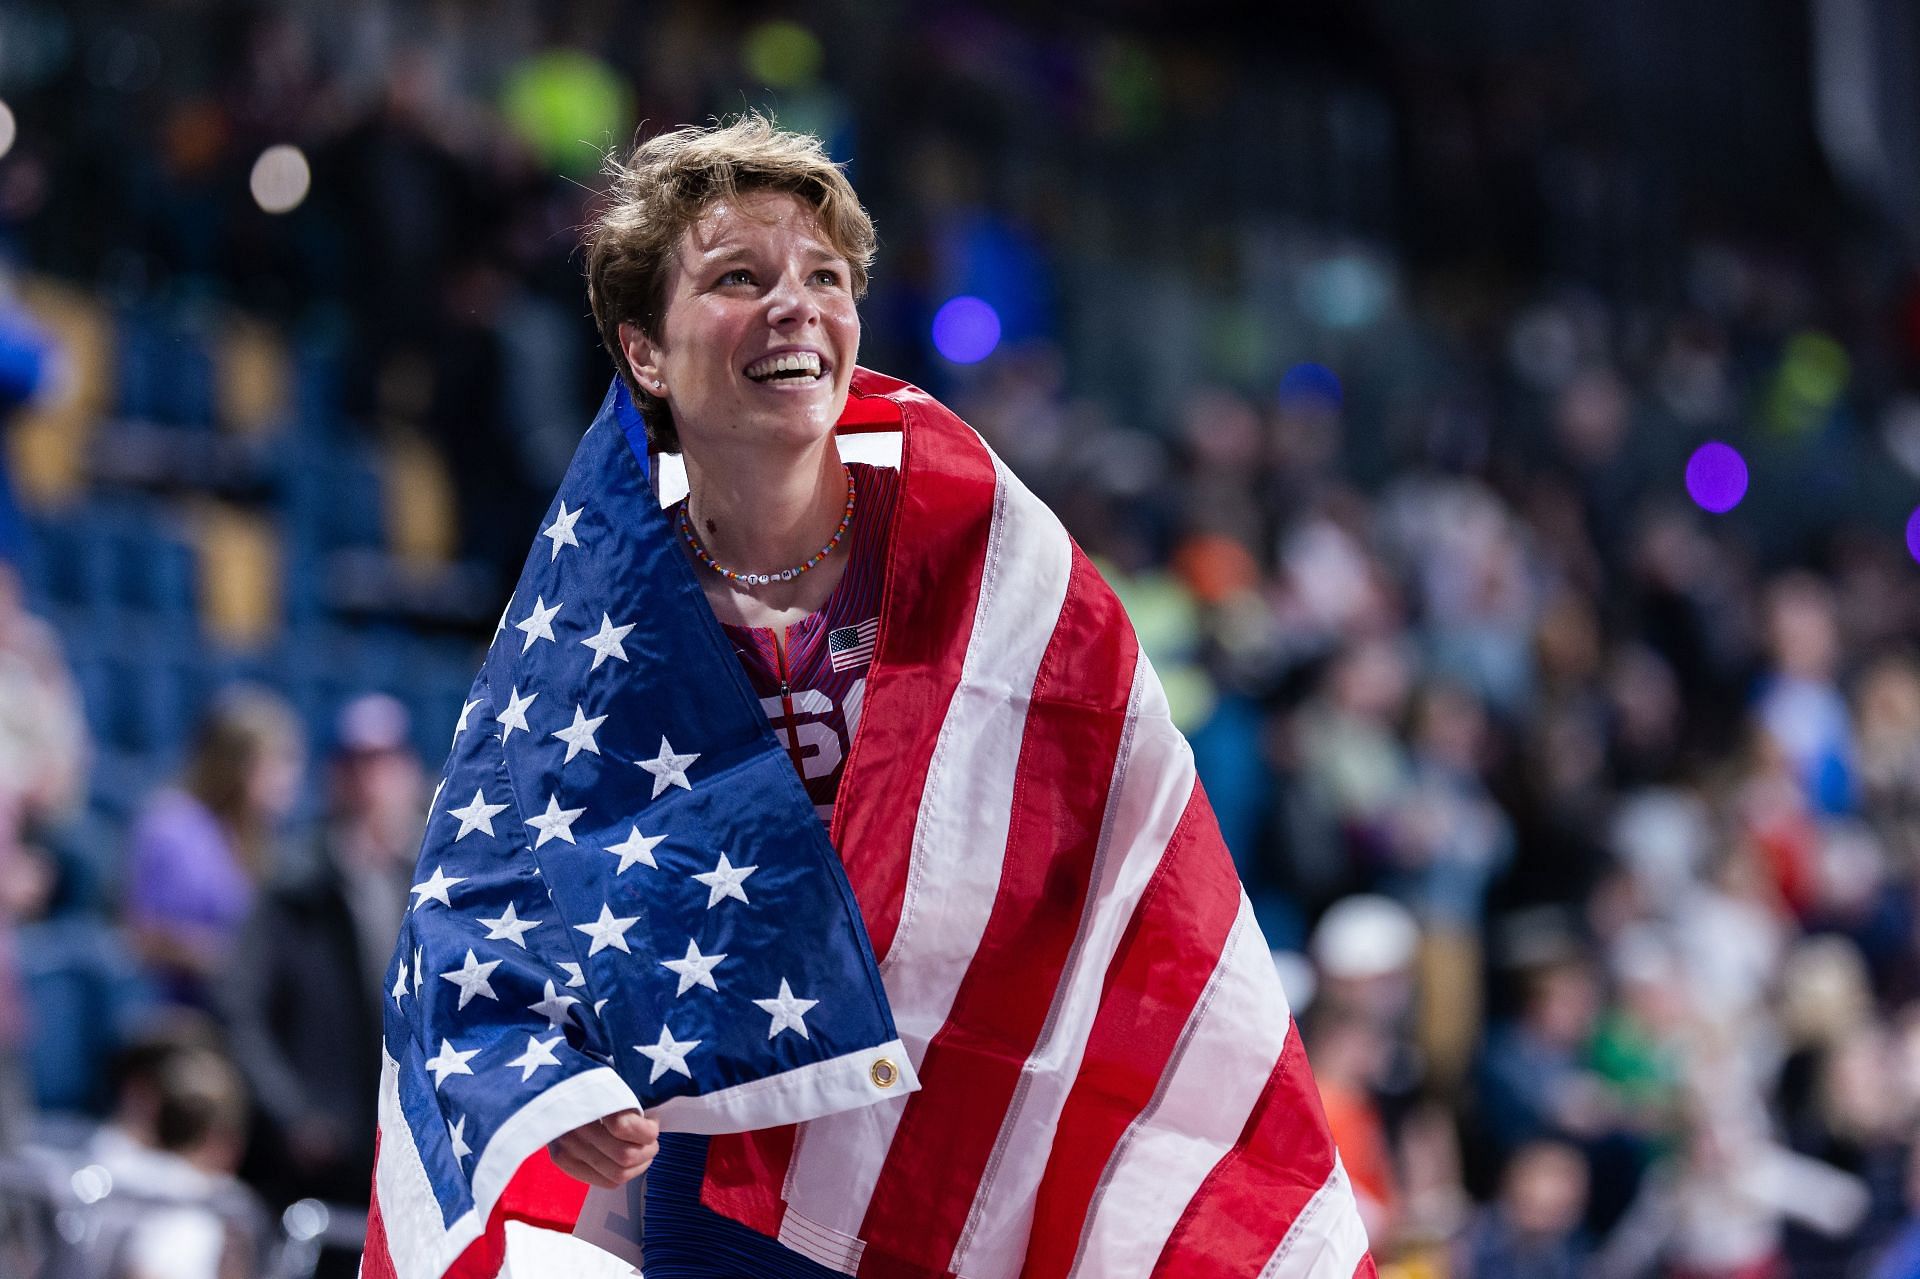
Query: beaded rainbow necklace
{"points": [[784, 575]]}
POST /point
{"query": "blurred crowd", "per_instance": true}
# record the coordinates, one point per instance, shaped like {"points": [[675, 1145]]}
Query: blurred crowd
{"points": [[1585, 824], [1588, 852]]}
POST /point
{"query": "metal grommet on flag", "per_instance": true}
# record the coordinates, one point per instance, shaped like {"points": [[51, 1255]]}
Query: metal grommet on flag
{"points": [[885, 1074]]}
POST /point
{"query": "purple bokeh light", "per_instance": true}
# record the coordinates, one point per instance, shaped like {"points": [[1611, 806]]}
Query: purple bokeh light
{"points": [[1313, 385], [1716, 477], [1913, 533], [966, 330]]}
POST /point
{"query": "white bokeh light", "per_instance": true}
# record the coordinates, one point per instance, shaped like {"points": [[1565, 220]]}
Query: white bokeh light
{"points": [[280, 179], [8, 129]]}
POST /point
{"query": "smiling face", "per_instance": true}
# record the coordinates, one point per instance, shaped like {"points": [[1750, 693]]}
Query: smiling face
{"points": [[759, 334]]}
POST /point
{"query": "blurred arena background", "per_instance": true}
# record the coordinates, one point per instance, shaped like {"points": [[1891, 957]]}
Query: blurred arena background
{"points": [[1502, 419]]}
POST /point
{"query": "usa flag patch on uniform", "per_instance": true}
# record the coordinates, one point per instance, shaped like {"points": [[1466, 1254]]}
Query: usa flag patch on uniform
{"points": [[852, 646]]}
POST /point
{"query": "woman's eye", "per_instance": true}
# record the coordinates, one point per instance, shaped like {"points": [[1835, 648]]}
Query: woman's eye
{"points": [[825, 276], [739, 275]]}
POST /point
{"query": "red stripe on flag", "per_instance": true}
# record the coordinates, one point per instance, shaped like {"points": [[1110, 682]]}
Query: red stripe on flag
{"points": [[1255, 1193], [1169, 952], [932, 590], [539, 1194], [1365, 1269], [973, 1066], [376, 1262], [745, 1174]]}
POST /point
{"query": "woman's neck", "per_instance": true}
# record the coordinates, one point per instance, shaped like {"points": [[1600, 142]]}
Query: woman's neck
{"points": [[757, 513]]}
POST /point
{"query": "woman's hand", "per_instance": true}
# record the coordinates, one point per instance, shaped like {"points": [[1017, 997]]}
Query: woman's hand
{"points": [[608, 1152]]}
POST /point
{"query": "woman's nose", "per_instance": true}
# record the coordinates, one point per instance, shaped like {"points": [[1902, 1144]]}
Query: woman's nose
{"points": [[790, 303]]}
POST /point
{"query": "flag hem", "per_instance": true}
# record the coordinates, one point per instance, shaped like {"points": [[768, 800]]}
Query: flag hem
{"points": [[794, 1096]]}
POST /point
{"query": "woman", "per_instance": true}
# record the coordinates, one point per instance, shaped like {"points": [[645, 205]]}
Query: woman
{"points": [[199, 851], [1015, 1018], [724, 278]]}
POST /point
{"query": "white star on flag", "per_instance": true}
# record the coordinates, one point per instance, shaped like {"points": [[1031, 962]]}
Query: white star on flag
{"points": [[575, 978], [636, 848], [668, 1054], [399, 991], [788, 1012], [560, 532], [435, 889], [536, 1056], [695, 969], [579, 735], [418, 951], [606, 643], [556, 822], [607, 931], [537, 625], [476, 816], [515, 716], [668, 769], [506, 608], [458, 1131], [450, 1061], [460, 725], [471, 978], [435, 801], [510, 927], [598, 1006], [553, 1006], [724, 881]]}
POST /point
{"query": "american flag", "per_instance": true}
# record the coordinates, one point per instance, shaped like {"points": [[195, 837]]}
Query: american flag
{"points": [[1109, 1081], [851, 646], [624, 897]]}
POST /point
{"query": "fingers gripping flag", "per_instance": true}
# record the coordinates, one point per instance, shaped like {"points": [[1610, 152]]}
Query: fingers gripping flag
{"points": [[623, 899]]}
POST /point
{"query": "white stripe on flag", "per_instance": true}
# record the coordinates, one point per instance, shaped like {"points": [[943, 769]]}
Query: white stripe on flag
{"points": [[408, 1209], [1328, 1239], [959, 838], [1153, 781], [1227, 1053]]}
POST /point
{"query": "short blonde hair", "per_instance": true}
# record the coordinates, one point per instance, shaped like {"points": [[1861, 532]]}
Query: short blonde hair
{"points": [[664, 187]]}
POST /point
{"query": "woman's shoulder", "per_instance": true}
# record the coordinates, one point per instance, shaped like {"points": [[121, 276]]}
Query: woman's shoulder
{"points": [[173, 816]]}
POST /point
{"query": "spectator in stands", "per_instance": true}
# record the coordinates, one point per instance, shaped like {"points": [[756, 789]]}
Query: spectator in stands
{"points": [[1887, 746], [1448, 839], [1716, 1209], [1350, 1051], [1532, 1231], [42, 760], [1535, 1082], [1800, 705], [199, 850], [303, 993], [175, 1209], [43, 730]]}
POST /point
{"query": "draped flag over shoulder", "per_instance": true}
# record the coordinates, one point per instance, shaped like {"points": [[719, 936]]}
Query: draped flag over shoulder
{"points": [[624, 897], [1090, 1066]]}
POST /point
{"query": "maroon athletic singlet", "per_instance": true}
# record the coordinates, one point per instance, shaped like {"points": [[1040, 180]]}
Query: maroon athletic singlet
{"points": [[810, 676]]}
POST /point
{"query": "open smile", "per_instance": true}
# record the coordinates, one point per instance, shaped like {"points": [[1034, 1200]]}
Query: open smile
{"points": [[788, 369]]}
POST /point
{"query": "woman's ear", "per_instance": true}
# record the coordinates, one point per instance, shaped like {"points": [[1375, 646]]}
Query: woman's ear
{"points": [[642, 358]]}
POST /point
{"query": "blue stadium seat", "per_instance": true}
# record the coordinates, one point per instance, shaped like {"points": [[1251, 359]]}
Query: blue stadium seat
{"points": [[164, 367]]}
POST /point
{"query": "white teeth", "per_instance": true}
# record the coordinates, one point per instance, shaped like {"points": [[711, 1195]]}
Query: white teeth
{"points": [[793, 362]]}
